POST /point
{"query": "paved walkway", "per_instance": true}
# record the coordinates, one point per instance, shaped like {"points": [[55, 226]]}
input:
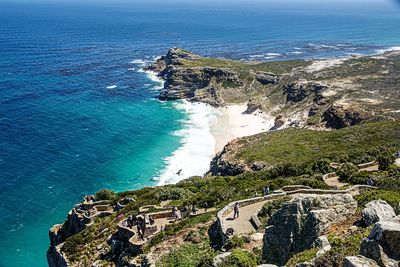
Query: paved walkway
{"points": [[242, 225], [374, 168], [334, 182]]}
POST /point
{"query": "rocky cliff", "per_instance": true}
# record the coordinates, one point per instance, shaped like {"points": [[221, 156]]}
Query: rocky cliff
{"points": [[313, 93]]}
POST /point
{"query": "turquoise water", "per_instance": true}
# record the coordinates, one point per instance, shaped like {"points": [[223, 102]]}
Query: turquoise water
{"points": [[65, 134]]}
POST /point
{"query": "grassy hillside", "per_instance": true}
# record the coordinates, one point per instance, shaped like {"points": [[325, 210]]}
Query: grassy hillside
{"points": [[357, 144]]}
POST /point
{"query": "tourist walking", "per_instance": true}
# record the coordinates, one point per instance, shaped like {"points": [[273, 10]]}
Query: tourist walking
{"points": [[236, 210], [194, 209], [205, 207], [175, 213]]}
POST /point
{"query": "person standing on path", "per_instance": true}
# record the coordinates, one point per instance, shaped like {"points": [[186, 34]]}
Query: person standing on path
{"points": [[236, 210]]}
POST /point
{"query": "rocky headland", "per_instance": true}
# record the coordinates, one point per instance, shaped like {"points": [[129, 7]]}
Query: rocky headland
{"points": [[320, 189]]}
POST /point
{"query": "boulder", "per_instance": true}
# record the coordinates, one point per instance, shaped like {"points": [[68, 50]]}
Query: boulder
{"points": [[323, 244], [359, 261], [298, 224], [377, 210], [220, 258], [383, 244], [252, 106]]}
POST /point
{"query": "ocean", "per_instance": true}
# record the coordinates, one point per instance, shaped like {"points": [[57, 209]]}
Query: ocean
{"points": [[78, 114]]}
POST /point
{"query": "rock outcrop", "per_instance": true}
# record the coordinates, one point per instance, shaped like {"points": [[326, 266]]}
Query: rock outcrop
{"points": [[194, 83], [383, 244], [359, 261], [298, 224], [223, 164], [55, 257], [267, 78], [339, 117], [197, 83], [377, 210], [298, 91]]}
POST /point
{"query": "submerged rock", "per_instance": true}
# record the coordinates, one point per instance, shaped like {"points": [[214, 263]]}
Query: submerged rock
{"points": [[377, 210]]}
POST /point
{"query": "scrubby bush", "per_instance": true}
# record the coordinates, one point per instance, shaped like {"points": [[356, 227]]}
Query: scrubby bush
{"points": [[240, 258], [303, 256], [105, 194], [341, 248], [385, 160], [392, 197], [171, 193], [346, 171], [235, 242], [188, 255]]}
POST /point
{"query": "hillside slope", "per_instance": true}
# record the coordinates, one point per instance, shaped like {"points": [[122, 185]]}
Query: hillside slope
{"points": [[334, 93]]}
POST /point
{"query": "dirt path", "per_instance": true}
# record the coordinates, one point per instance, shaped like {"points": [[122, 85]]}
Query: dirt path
{"points": [[334, 182]]}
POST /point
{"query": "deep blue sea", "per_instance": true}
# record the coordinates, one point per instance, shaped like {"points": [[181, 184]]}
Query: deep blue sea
{"points": [[78, 115]]}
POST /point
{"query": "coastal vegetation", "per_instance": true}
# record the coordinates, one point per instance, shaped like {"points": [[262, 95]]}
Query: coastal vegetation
{"points": [[300, 156]]}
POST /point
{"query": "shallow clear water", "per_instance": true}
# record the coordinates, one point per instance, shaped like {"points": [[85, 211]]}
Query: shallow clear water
{"points": [[77, 116]]}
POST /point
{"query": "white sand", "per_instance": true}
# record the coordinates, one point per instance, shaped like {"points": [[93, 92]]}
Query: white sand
{"points": [[232, 123], [319, 65]]}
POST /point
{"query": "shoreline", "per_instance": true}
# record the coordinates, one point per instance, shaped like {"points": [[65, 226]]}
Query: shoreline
{"points": [[232, 123], [206, 130]]}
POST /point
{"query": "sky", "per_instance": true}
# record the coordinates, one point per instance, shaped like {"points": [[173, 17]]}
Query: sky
{"points": [[189, 2]]}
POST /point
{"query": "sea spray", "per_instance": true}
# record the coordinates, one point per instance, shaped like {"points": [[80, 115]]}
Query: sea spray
{"points": [[194, 156]]}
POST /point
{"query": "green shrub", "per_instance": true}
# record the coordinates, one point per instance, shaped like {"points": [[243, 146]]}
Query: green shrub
{"points": [[188, 255], [385, 160], [392, 197], [105, 194], [346, 171], [235, 242], [306, 255], [239, 258], [341, 248], [171, 193]]}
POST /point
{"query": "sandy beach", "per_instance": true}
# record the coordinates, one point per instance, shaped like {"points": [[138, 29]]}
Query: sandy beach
{"points": [[232, 123]]}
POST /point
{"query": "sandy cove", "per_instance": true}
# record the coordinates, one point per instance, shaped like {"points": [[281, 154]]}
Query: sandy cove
{"points": [[232, 123]]}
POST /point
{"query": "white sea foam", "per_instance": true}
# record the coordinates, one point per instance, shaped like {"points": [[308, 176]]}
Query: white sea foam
{"points": [[138, 62], [390, 49], [111, 87], [255, 56], [153, 77], [274, 54], [197, 149], [296, 52]]}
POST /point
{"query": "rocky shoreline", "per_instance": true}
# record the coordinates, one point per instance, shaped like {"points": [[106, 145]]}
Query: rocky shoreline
{"points": [[295, 92], [301, 223]]}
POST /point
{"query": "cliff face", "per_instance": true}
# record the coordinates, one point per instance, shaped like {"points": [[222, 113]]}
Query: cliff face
{"points": [[307, 93]]}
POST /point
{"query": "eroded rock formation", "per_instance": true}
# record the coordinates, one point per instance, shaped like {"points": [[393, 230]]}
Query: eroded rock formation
{"points": [[297, 225]]}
